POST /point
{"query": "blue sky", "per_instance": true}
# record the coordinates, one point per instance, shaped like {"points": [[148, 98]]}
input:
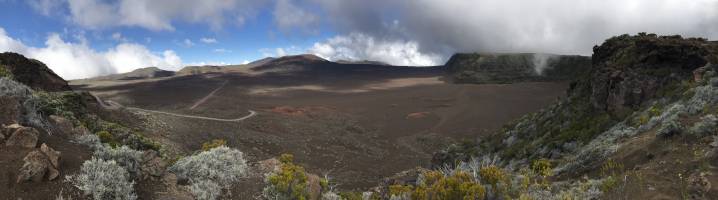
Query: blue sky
{"points": [[233, 44], [86, 38]]}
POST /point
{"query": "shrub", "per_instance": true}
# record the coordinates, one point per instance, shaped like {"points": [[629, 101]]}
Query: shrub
{"points": [[460, 185], [221, 165], [126, 157], [670, 128], [30, 103], [90, 140], [492, 175], [541, 167], [4, 72], [205, 190], [104, 180], [290, 182], [213, 144], [706, 126], [138, 141], [105, 136], [331, 196]]}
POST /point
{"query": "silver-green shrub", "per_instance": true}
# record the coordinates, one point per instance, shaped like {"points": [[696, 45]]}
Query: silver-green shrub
{"points": [[707, 125], [126, 157], [221, 165], [89, 140], [104, 180], [205, 190]]}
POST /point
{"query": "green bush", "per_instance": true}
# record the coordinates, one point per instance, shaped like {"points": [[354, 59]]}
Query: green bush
{"points": [[206, 146], [4, 72], [290, 182]]}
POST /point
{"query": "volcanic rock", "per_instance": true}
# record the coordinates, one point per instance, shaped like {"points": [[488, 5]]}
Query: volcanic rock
{"points": [[23, 137]]}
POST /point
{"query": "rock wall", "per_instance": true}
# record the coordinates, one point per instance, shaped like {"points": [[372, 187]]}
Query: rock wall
{"points": [[510, 68]]}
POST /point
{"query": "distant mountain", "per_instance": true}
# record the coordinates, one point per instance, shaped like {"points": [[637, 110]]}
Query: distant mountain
{"points": [[142, 73], [514, 67], [193, 70], [32, 73], [362, 62]]}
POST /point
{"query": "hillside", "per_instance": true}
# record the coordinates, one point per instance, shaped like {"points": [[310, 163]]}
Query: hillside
{"points": [[32, 73], [647, 103], [508, 68], [141, 73]]}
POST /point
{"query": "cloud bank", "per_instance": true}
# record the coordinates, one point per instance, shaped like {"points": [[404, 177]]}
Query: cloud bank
{"points": [[78, 60], [155, 15], [416, 32], [547, 26]]}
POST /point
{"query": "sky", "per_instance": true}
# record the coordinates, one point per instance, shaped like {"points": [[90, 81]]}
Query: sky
{"points": [[87, 38]]}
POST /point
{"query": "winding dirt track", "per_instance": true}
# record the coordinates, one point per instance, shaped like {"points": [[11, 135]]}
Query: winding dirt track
{"points": [[251, 114], [115, 105]]}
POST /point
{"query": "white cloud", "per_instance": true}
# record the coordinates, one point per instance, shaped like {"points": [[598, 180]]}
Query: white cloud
{"points": [[45, 7], [358, 47], [208, 40], [222, 51], [117, 36], [187, 43], [127, 57], [78, 60], [288, 16], [281, 51], [159, 14], [210, 63], [549, 26]]}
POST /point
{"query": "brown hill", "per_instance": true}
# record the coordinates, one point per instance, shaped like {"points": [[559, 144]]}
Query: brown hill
{"points": [[32, 73]]}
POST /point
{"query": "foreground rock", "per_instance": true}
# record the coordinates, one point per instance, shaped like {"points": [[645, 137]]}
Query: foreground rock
{"points": [[40, 164], [23, 137], [10, 110]]}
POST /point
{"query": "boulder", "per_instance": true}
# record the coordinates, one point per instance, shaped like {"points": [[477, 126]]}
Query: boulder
{"points": [[35, 167], [61, 124], [10, 109], [52, 155], [23, 137], [9, 129], [40, 164]]}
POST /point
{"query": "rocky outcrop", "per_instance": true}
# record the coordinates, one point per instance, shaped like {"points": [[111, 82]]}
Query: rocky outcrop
{"points": [[33, 73], [40, 164], [23, 137], [628, 71], [10, 109], [508, 68]]}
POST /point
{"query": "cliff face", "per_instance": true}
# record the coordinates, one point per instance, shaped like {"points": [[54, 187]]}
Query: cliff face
{"points": [[508, 68], [631, 70], [635, 83], [32, 73]]}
